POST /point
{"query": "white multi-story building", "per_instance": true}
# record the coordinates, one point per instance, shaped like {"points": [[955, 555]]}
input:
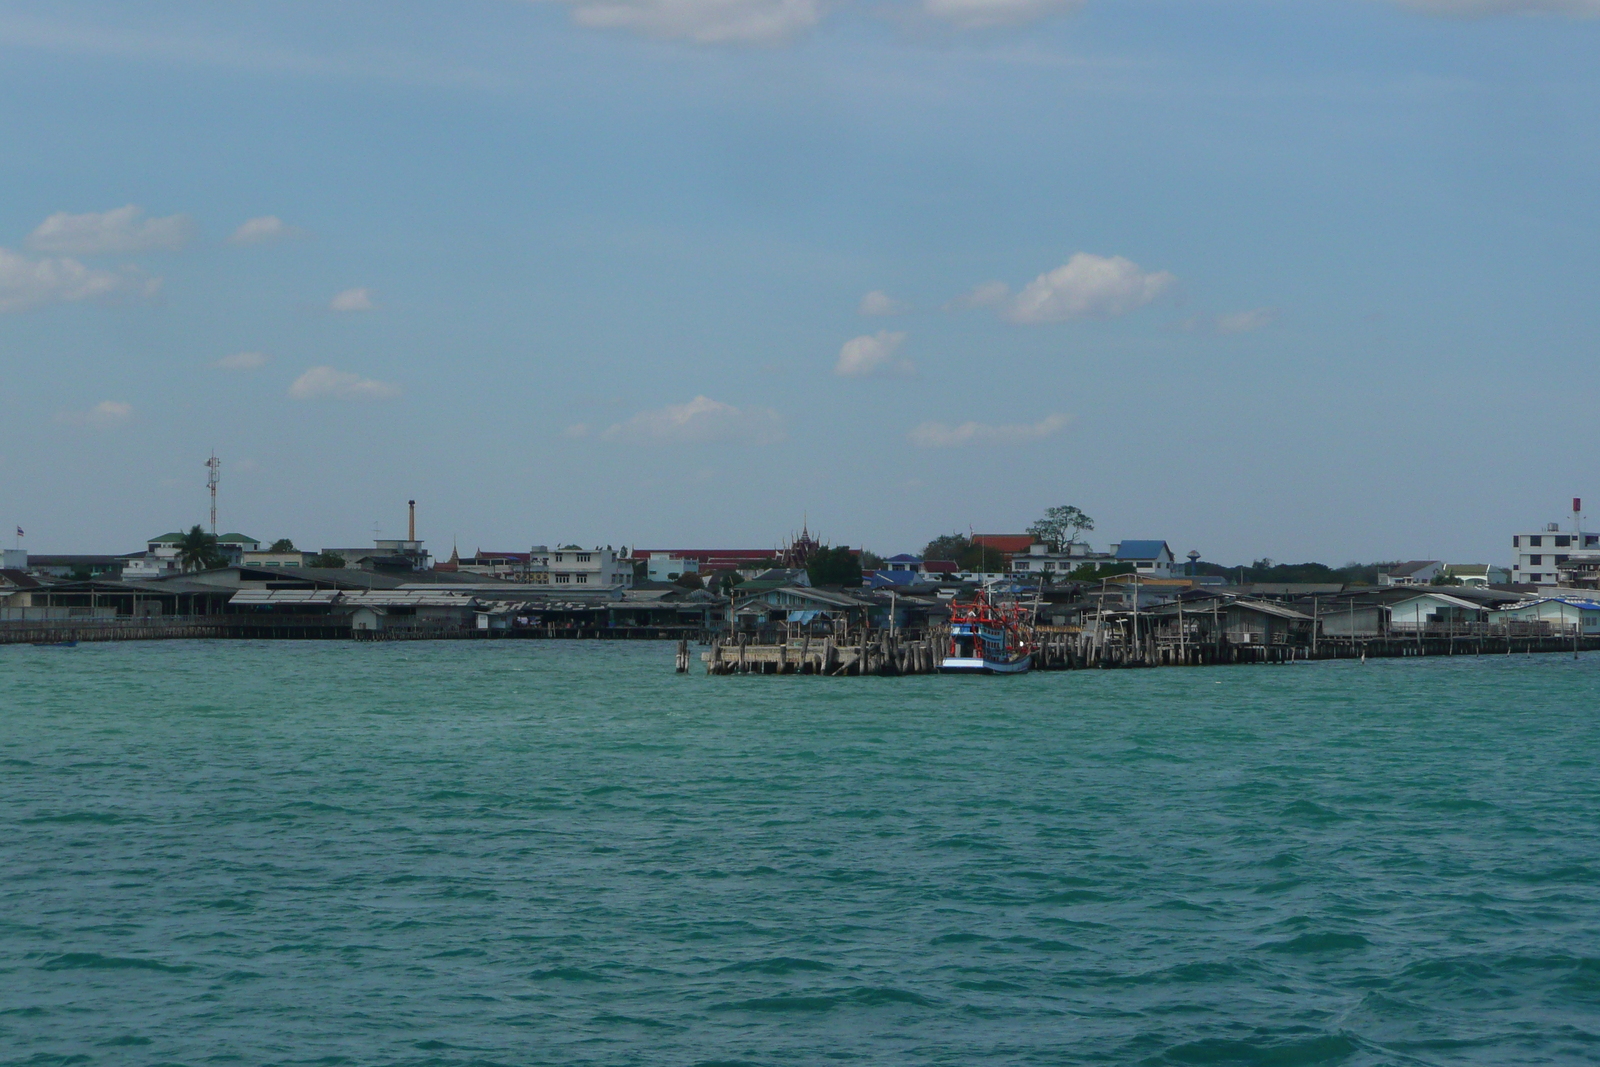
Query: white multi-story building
{"points": [[159, 560], [593, 568], [670, 568], [1538, 555], [1041, 560]]}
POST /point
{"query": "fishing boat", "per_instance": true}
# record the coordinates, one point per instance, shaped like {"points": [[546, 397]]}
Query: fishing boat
{"points": [[988, 638]]}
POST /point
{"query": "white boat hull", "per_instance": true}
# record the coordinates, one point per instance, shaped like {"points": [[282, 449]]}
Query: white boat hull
{"points": [[975, 665]]}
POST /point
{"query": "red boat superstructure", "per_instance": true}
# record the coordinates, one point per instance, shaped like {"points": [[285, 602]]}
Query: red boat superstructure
{"points": [[988, 638]]}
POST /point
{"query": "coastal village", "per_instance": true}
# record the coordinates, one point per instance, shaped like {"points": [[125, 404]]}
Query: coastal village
{"points": [[806, 606]]}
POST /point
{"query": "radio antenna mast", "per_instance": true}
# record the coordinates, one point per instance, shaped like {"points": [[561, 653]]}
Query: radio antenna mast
{"points": [[213, 471]]}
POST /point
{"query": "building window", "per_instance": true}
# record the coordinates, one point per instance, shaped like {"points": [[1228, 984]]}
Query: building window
{"points": [[558, 557], [582, 579], [1533, 542], [1535, 576], [1562, 558], [583, 557], [1516, 542], [563, 579], [1535, 561], [1563, 541]]}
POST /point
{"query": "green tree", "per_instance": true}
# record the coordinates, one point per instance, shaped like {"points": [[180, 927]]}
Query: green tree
{"points": [[691, 580], [282, 544], [947, 546], [834, 566], [1445, 579], [982, 559], [197, 550], [330, 560], [871, 561], [1060, 526]]}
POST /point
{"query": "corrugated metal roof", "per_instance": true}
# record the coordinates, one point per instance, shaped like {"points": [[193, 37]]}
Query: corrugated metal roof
{"points": [[1141, 549], [406, 598], [285, 596]]}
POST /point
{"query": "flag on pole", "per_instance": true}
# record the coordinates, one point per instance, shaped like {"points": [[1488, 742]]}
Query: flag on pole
{"points": [[20, 533]]}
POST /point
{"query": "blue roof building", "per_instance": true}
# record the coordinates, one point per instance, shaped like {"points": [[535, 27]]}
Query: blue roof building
{"points": [[1152, 558]]}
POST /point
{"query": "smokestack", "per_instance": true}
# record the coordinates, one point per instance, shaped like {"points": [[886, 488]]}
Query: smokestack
{"points": [[411, 528]]}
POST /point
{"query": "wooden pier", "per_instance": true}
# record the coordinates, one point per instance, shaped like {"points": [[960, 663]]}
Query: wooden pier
{"points": [[883, 654]]}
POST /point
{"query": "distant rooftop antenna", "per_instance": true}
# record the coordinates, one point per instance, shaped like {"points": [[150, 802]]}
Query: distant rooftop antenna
{"points": [[213, 475]]}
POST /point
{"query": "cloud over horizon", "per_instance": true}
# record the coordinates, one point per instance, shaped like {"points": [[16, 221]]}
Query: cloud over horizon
{"points": [[984, 14], [942, 435], [1235, 323], [103, 416], [871, 352], [29, 283], [1487, 8], [701, 21], [242, 361], [116, 232], [1087, 286], [262, 230], [699, 421], [879, 302], [325, 383], [353, 300]]}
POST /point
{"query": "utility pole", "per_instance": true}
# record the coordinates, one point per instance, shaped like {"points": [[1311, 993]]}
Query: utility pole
{"points": [[213, 474]]}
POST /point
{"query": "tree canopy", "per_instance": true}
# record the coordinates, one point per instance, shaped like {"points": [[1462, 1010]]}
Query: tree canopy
{"points": [[947, 546], [330, 560], [282, 544], [833, 566], [1060, 525], [197, 550]]}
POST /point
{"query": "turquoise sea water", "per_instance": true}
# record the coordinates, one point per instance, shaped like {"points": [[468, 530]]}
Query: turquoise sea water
{"points": [[558, 853]]}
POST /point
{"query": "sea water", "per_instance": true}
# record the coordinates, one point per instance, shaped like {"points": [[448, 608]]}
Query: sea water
{"points": [[525, 852]]}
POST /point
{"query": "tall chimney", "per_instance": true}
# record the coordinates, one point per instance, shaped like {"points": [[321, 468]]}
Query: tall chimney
{"points": [[411, 528]]}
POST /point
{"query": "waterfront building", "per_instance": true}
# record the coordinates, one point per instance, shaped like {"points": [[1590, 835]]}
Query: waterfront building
{"points": [[1562, 614], [599, 568], [667, 568], [1040, 559], [269, 558], [1411, 572], [159, 559], [1478, 575], [1432, 611], [1149, 558], [386, 554], [73, 566], [1538, 556]]}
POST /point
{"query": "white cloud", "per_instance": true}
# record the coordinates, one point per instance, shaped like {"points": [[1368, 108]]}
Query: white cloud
{"points": [[700, 420], [941, 435], [358, 299], [103, 416], [879, 302], [326, 383], [264, 229], [702, 21], [1485, 8], [27, 283], [987, 295], [1237, 322], [980, 14], [576, 430], [871, 352], [242, 361], [110, 232], [1087, 287]]}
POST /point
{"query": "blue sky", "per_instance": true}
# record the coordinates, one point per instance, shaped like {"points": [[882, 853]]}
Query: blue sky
{"points": [[1301, 280]]}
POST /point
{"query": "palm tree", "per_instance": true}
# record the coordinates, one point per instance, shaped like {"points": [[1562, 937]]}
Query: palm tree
{"points": [[197, 551]]}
